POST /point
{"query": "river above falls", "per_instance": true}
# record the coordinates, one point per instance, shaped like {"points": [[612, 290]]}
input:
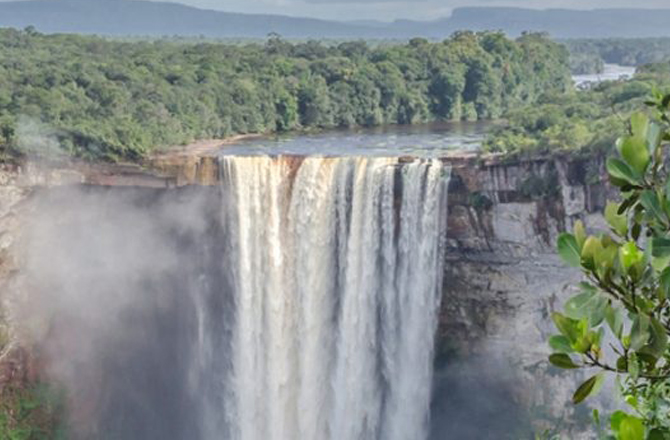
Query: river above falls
{"points": [[611, 72], [426, 140]]}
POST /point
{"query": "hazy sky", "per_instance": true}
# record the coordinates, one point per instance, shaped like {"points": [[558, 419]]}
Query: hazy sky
{"points": [[389, 10], [392, 9]]}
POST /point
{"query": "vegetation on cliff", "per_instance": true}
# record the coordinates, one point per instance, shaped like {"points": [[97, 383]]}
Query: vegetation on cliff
{"points": [[31, 412], [619, 323], [580, 121], [101, 99]]}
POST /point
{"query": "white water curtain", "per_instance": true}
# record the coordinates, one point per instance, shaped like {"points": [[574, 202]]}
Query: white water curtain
{"points": [[337, 281]]}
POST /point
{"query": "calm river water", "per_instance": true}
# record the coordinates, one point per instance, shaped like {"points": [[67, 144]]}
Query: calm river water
{"points": [[429, 140]]}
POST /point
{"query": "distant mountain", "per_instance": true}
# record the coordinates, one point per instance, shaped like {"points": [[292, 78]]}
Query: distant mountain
{"points": [[138, 17], [560, 23], [128, 17]]}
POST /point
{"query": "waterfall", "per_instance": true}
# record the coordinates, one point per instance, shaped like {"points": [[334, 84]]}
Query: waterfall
{"points": [[335, 270]]}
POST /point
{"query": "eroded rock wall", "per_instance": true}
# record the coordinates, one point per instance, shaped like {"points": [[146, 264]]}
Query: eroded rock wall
{"points": [[503, 279]]}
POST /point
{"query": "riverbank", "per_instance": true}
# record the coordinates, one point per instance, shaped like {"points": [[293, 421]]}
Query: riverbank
{"points": [[202, 147]]}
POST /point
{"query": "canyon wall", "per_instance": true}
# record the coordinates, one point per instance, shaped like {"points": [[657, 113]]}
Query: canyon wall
{"points": [[502, 278]]}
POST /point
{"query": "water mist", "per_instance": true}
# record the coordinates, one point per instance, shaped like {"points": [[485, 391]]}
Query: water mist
{"points": [[297, 300]]}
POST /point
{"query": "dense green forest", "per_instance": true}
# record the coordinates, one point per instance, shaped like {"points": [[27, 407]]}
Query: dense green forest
{"points": [[101, 99], [589, 55], [580, 121]]}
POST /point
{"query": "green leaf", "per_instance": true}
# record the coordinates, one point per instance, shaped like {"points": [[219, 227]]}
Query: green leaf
{"points": [[588, 388], [616, 418], [647, 358], [631, 428], [654, 136], [639, 124], [622, 363], [560, 344], [589, 304], [562, 360], [649, 200], [632, 401], [660, 247], [636, 230], [605, 258], [633, 366], [618, 222], [587, 287], [628, 203], [583, 344], [614, 318], [620, 171], [591, 248], [568, 327], [569, 250], [598, 309], [659, 264], [577, 307], [635, 153], [596, 417], [658, 434], [664, 280], [658, 339], [630, 255], [640, 333]]}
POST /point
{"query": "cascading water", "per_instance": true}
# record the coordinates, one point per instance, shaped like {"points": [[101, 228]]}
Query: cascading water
{"points": [[296, 301], [335, 270]]}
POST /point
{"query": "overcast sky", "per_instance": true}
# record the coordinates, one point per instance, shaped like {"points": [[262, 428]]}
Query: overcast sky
{"points": [[389, 10], [392, 9]]}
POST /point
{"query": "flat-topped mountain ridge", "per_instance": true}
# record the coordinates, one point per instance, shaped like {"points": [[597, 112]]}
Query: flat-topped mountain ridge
{"points": [[147, 18]]}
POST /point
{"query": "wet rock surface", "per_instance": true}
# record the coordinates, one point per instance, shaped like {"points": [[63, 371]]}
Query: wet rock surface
{"points": [[502, 280]]}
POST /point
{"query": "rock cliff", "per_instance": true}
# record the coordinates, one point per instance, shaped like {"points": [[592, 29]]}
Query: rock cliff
{"points": [[501, 277], [502, 280]]}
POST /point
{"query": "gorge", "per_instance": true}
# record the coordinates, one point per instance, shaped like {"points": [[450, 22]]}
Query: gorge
{"points": [[138, 354]]}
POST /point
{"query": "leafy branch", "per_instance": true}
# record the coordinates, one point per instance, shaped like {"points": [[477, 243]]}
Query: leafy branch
{"points": [[628, 273]]}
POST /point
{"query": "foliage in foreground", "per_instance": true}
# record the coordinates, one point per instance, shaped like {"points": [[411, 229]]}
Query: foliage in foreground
{"points": [[619, 323], [102, 99]]}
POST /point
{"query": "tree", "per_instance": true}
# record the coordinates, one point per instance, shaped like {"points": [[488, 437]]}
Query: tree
{"points": [[314, 103], [287, 111], [122, 100], [446, 91], [625, 297]]}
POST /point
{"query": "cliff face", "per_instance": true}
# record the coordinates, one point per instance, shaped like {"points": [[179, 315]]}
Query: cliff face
{"points": [[17, 183], [502, 278]]}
